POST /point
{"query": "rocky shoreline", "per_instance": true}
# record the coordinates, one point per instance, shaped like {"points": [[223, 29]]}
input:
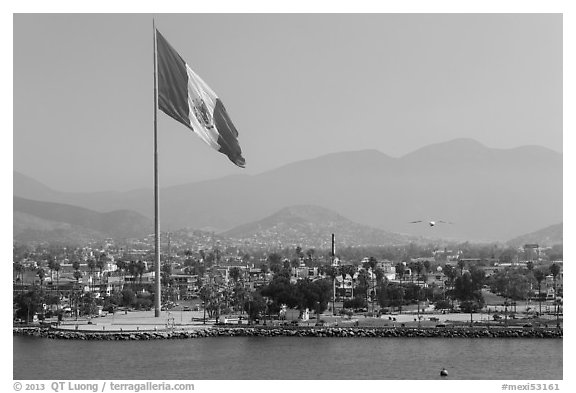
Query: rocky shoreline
{"points": [[291, 332]]}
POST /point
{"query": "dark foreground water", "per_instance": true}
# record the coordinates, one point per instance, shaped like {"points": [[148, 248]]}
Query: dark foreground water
{"points": [[292, 358]]}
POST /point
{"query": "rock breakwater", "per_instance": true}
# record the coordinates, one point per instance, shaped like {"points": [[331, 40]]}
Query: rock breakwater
{"points": [[292, 332]]}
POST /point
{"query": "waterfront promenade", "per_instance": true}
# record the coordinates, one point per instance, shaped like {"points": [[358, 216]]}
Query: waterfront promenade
{"points": [[191, 320]]}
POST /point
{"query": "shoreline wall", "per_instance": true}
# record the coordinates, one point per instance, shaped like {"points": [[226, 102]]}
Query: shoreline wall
{"points": [[293, 332]]}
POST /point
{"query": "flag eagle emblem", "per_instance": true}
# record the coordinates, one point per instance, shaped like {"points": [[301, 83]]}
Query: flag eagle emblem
{"points": [[185, 97]]}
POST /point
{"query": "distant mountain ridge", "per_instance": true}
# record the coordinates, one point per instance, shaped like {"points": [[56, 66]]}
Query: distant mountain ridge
{"points": [[549, 236], [312, 226], [47, 221], [490, 194]]}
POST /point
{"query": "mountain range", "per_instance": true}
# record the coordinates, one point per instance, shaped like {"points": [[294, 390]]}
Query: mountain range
{"points": [[548, 236], [36, 221], [312, 226], [488, 194]]}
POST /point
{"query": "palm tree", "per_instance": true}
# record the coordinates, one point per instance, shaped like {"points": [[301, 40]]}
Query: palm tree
{"points": [[331, 271], [51, 262], [235, 274], [418, 266], [364, 282], [426, 266], [101, 264], [400, 269], [91, 267], [121, 265], [310, 253], [450, 273], [554, 270], [19, 269], [41, 274], [461, 266], [140, 270], [76, 265], [539, 276], [56, 268], [77, 275]]}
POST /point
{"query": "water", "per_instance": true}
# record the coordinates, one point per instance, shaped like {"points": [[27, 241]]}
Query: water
{"points": [[291, 358]]}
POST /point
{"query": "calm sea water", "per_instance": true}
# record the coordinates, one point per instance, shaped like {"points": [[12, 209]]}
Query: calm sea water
{"points": [[292, 358]]}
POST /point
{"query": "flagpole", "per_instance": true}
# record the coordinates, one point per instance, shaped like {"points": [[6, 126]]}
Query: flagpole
{"points": [[158, 297]]}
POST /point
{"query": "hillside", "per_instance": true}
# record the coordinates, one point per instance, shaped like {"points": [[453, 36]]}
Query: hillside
{"points": [[46, 221], [489, 194], [548, 236], [311, 227]]}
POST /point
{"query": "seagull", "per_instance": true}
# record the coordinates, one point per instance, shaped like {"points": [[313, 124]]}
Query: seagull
{"points": [[432, 223]]}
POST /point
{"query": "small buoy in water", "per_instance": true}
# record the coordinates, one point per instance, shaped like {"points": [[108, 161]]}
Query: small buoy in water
{"points": [[443, 373]]}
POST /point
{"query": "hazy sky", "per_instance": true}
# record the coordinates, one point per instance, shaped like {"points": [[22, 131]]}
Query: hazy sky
{"points": [[297, 86]]}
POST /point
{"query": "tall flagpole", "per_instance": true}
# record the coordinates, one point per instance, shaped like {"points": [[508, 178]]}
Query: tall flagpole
{"points": [[158, 297]]}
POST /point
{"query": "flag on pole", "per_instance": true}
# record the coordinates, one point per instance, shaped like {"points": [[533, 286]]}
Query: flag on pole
{"points": [[185, 97]]}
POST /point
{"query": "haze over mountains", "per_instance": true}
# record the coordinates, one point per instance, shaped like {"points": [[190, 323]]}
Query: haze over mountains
{"points": [[60, 223], [489, 194], [312, 226], [546, 236]]}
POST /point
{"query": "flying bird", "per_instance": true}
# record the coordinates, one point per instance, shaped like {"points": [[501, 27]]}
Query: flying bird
{"points": [[432, 223]]}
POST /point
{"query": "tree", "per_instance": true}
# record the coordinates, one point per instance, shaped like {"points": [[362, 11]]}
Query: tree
{"points": [[239, 295], [91, 268], [442, 305], [255, 306], [467, 288], [461, 265], [426, 265], [419, 267], [211, 298], [41, 275], [391, 295], [400, 270], [554, 270], [76, 265], [539, 276], [264, 269], [19, 269], [139, 270], [235, 274], [275, 261], [511, 283], [57, 268], [28, 303], [363, 284], [310, 253], [450, 273], [101, 264], [77, 275], [281, 291], [313, 294], [355, 303], [380, 277], [122, 265], [50, 265], [371, 263]]}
